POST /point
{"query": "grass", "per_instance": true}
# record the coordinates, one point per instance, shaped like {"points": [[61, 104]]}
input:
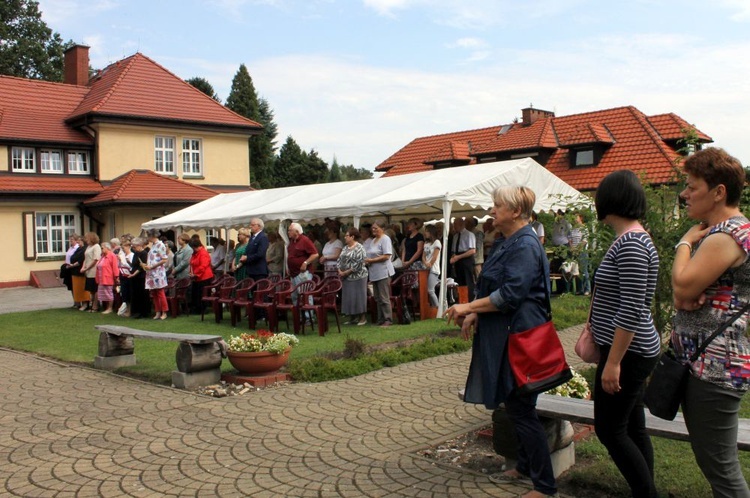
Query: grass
{"points": [[69, 335]]}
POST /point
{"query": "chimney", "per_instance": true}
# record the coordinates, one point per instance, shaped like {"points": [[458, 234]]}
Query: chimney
{"points": [[77, 65], [530, 115]]}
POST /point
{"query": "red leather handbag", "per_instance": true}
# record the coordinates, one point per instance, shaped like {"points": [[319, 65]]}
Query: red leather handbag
{"points": [[537, 359]]}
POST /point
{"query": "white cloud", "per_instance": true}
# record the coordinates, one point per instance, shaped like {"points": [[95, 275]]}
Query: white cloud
{"points": [[58, 13], [741, 8], [467, 43]]}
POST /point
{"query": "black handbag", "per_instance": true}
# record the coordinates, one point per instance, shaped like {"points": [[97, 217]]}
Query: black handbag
{"points": [[666, 388]]}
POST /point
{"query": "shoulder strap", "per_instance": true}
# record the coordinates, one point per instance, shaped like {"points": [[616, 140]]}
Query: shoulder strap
{"points": [[718, 331]]}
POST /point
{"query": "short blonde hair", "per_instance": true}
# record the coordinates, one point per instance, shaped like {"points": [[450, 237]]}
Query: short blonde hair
{"points": [[516, 197], [244, 231]]}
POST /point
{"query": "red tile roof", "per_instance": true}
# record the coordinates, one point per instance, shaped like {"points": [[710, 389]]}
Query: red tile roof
{"points": [[15, 183], [411, 159], [670, 127], [587, 134], [33, 110], [630, 139], [143, 186], [519, 138], [139, 87]]}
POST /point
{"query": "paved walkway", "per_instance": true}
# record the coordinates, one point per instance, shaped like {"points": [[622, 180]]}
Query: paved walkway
{"points": [[73, 431]]}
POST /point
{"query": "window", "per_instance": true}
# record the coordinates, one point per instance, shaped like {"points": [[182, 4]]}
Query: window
{"points": [[211, 233], [52, 232], [24, 159], [164, 155], [51, 161], [78, 162], [191, 157], [584, 157]]}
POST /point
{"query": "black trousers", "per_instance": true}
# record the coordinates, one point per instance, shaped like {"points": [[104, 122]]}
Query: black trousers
{"points": [[620, 421], [463, 270]]}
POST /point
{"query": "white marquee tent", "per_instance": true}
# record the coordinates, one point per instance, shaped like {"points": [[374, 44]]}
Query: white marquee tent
{"points": [[427, 195]]}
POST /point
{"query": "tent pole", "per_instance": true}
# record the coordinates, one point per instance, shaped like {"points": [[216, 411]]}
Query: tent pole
{"points": [[444, 257], [285, 238]]}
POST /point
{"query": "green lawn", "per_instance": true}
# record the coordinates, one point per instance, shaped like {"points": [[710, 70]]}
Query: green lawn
{"points": [[69, 335]]}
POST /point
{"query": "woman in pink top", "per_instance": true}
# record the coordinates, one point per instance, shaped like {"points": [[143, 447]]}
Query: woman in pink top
{"points": [[107, 275]]}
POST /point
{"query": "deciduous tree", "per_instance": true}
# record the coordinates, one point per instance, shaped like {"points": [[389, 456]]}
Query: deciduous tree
{"points": [[204, 86], [28, 47]]}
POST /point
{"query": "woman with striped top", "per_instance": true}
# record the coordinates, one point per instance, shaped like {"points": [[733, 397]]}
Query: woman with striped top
{"points": [[624, 330]]}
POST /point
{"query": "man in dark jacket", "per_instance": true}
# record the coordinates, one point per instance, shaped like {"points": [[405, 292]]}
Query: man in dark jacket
{"points": [[256, 265]]}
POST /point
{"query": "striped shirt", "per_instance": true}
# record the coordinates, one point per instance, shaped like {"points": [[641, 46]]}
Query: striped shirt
{"points": [[625, 285]]}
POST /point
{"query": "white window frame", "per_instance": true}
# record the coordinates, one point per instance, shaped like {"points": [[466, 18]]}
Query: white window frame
{"points": [[192, 156], [52, 231], [23, 160], [51, 161], [164, 154], [78, 162]]}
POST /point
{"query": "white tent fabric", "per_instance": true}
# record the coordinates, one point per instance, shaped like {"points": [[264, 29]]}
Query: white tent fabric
{"points": [[466, 189], [428, 195]]}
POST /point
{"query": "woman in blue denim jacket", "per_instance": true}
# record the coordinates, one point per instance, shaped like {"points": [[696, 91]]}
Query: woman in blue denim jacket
{"points": [[512, 295]]}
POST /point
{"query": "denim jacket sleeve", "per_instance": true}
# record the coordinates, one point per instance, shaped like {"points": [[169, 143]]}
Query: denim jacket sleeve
{"points": [[518, 270]]}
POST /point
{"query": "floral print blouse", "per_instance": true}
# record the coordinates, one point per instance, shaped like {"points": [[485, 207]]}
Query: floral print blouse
{"points": [[156, 277], [726, 361]]}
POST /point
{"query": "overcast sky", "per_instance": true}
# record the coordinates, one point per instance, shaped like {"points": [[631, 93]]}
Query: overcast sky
{"points": [[359, 79]]}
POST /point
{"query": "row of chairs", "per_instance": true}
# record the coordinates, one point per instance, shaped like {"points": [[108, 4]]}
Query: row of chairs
{"points": [[273, 297]]}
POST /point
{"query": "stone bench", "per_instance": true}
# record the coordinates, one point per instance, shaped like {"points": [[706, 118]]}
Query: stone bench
{"points": [[198, 356], [582, 411], [559, 408]]}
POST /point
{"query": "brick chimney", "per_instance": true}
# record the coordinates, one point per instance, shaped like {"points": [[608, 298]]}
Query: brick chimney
{"points": [[77, 65], [530, 115]]}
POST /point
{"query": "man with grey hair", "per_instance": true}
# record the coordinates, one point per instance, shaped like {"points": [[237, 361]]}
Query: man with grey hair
{"points": [[301, 252], [255, 252]]}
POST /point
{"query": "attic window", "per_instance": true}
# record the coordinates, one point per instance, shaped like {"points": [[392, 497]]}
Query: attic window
{"points": [[584, 157], [23, 159]]}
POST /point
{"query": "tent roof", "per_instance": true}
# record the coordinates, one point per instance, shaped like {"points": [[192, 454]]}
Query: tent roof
{"points": [[466, 188]]}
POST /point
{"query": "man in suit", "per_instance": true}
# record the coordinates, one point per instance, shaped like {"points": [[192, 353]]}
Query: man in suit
{"points": [[256, 265]]}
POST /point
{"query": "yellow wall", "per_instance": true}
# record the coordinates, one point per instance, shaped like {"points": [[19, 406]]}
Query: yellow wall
{"points": [[3, 158], [123, 148], [13, 267]]}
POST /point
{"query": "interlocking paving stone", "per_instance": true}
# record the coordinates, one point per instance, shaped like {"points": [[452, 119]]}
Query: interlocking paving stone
{"points": [[74, 431]]}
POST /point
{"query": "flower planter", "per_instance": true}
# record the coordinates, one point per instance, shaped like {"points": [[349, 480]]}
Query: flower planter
{"points": [[258, 363]]}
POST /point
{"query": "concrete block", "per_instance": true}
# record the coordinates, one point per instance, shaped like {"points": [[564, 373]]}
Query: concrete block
{"points": [[113, 362], [195, 380], [563, 459]]}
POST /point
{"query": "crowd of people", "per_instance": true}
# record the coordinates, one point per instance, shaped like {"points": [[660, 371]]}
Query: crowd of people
{"points": [[135, 271]]}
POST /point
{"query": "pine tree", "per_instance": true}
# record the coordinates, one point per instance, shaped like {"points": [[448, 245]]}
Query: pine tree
{"points": [[291, 159], [265, 147], [334, 175], [28, 47], [315, 170], [243, 99], [204, 86]]}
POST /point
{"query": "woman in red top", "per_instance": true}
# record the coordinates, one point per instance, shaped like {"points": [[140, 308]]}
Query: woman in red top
{"points": [[200, 271]]}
